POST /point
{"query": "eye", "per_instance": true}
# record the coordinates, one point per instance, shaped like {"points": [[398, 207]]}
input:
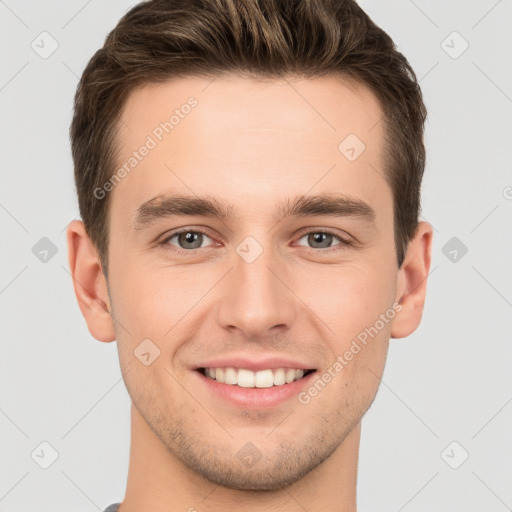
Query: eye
{"points": [[323, 239], [187, 239]]}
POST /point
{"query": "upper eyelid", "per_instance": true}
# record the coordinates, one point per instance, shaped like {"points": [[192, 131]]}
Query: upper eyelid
{"points": [[166, 237], [330, 231]]}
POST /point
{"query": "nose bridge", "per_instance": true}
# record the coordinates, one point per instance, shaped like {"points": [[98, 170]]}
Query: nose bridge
{"points": [[255, 300]]}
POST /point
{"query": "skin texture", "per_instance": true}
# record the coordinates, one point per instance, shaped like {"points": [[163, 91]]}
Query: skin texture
{"points": [[251, 144]]}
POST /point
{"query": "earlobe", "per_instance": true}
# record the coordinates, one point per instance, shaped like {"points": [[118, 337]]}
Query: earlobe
{"points": [[412, 282], [89, 282]]}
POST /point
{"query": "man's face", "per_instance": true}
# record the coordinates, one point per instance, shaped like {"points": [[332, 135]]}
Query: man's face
{"points": [[254, 286]]}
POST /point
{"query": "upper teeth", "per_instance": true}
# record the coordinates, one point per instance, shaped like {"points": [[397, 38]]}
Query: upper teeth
{"points": [[249, 379]]}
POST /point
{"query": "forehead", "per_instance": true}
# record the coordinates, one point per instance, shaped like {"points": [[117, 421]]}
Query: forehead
{"points": [[233, 136], [331, 105]]}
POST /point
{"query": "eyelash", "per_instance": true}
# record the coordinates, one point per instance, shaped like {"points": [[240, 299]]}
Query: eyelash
{"points": [[165, 242]]}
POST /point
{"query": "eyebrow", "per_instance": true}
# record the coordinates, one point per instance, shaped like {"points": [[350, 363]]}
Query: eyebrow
{"points": [[171, 205]]}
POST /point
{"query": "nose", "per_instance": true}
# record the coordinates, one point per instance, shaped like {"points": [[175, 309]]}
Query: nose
{"points": [[256, 300]]}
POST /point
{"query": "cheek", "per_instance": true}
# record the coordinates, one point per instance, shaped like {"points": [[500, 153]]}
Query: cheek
{"points": [[151, 301], [347, 299]]}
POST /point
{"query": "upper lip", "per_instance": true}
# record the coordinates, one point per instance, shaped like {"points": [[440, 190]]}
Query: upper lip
{"points": [[251, 363]]}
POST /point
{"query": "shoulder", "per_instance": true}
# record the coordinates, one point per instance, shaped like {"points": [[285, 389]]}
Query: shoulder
{"points": [[112, 508]]}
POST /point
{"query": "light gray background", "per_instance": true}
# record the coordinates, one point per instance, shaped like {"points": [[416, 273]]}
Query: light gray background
{"points": [[450, 381]]}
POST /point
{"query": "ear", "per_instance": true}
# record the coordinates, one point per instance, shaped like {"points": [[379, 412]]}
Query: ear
{"points": [[89, 282], [412, 282]]}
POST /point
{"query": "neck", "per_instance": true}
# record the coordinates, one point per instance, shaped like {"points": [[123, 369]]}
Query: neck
{"points": [[160, 482]]}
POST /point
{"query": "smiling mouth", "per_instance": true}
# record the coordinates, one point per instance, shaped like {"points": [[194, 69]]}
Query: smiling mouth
{"points": [[244, 378]]}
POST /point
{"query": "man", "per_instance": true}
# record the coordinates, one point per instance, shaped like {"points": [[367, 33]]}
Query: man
{"points": [[248, 176]]}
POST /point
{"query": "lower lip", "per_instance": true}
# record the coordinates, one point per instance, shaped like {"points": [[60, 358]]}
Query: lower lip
{"points": [[256, 398]]}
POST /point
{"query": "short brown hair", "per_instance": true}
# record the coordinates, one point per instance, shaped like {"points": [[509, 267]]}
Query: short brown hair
{"points": [[160, 39]]}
